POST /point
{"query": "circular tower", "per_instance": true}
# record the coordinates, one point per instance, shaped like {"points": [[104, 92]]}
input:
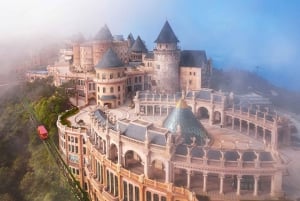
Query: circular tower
{"points": [[166, 57], [110, 80]]}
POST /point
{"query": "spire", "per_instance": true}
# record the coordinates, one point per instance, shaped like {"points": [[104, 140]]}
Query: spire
{"points": [[104, 34], [130, 37], [139, 46], [166, 35], [109, 59]]}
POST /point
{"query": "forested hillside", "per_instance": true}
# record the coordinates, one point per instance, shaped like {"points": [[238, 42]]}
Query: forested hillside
{"points": [[27, 171], [242, 82]]}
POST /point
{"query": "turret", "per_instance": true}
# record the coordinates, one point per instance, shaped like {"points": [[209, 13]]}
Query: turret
{"points": [[166, 56]]}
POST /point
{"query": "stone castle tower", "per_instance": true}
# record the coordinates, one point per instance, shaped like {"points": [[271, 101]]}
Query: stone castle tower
{"points": [[166, 56]]}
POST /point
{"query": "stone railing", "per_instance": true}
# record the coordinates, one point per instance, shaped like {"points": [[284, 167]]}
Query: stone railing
{"points": [[120, 79], [160, 186], [199, 164], [70, 130], [263, 122]]}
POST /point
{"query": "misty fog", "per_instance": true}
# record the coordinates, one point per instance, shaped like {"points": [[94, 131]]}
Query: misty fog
{"points": [[240, 34]]}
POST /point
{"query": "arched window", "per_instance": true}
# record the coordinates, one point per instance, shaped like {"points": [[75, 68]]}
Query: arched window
{"points": [[111, 90], [111, 76], [103, 90], [103, 76]]}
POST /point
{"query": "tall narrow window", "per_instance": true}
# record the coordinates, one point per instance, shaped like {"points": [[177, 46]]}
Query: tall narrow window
{"points": [[137, 193], [130, 192], [148, 196], [125, 195]]}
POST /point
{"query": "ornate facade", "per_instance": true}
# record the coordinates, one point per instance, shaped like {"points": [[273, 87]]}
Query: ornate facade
{"points": [[166, 69], [180, 157], [135, 159]]}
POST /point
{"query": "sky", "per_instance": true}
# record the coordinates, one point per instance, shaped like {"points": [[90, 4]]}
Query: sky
{"points": [[257, 35]]}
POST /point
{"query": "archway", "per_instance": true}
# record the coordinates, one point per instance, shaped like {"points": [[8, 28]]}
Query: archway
{"points": [[92, 101], [113, 153], [202, 113], [157, 171], [108, 105], [133, 162], [217, 117], [180, 177]]}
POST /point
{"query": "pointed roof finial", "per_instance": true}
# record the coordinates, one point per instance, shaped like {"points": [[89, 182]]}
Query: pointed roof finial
{"points": [[139, 46], [166, 35], [104, 34]]}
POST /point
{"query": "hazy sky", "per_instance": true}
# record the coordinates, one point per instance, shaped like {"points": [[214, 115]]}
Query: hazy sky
{"points": [[235, 33]]}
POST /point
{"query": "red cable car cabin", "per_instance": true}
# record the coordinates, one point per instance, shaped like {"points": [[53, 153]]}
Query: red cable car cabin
{"points": [[42, 132]]}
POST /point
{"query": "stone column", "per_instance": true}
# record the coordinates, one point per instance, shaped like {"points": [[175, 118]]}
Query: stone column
{"points": [[276, 184], [256, 178], [222, 118], [153, 112], [232, 123], [256, 130], [107, 146], [240, 125], [114, 184], [274, 136], [248, 128], [160, 110], [204, 182], [120, 153], [146, 166], [167, 171], [238, 187], [221, 183], [211, 116], [188, 183]]}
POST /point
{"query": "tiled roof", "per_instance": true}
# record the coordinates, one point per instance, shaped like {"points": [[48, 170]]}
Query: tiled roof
{"points": [[109, 59], [166, 35], [104, 34], [139, 46], [192, 58], [138, 132], [149, 55], [190, 127]]}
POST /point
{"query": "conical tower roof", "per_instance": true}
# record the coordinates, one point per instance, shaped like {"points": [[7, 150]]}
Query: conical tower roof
{"points": [[139, 46], [130, 37], [109, 59], [166, 35], [104, 34], [184, 118]]}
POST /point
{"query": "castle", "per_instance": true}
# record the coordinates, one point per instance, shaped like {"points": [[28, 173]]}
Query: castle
{"points": [[180, 141]]}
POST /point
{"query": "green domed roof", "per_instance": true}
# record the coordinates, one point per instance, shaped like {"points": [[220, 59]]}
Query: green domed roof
{"points": [[184, 118]]}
